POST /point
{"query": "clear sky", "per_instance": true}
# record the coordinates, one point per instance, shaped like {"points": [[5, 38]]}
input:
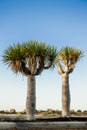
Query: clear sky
{"points": [[56, 22]]}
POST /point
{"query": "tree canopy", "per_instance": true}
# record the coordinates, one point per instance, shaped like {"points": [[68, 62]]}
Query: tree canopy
{"points": [[30, 57]]}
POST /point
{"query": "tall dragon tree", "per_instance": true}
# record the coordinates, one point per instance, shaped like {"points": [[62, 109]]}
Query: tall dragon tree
{"points": [[30, 59], [66, 60]]}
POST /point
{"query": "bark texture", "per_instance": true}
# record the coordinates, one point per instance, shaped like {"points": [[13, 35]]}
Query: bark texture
{"points": [[65, 95], [31, 98]]}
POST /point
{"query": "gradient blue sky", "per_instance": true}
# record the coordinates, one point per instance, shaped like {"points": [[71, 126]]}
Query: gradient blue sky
{"points": [[56, 22]]}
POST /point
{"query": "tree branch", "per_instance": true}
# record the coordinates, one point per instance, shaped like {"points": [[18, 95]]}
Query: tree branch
{"points": [[60, 69], [71, 68], [47, 67], [24, 70]]}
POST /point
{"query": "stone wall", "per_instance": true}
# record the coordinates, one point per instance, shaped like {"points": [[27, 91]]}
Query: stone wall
{"points": [[43, 125]]}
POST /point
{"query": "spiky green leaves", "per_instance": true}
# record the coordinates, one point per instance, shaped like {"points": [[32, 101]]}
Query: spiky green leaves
{"points": [[69, 57], [30, 57], [14, 56], [15, 52], [40, 49]]}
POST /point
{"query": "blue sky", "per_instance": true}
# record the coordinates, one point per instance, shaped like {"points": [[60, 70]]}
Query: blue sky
{"points": [[56, 22]]}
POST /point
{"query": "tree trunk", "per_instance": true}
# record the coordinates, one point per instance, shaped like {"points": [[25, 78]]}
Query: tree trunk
{"points": [[31, 98], [65, 95]]}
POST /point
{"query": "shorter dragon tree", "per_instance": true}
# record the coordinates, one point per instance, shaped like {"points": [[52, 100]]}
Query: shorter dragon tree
{"points": [[30, 59], [66, 60]]}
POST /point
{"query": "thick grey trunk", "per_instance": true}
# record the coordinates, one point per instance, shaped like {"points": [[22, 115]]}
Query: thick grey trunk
{"points": [[65, 95], [31, 98]]}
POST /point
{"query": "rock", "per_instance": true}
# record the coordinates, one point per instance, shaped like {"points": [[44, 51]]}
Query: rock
{"points": [[12, 111]]}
